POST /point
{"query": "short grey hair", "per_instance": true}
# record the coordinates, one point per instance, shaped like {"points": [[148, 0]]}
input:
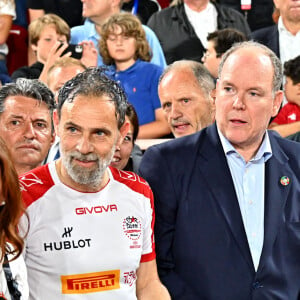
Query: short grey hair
{"points": [[31, 88], [204, 79], [277, 66], [94, 82]]}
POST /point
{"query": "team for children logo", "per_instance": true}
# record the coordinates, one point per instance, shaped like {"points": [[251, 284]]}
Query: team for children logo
{"points": [[132, 227]]}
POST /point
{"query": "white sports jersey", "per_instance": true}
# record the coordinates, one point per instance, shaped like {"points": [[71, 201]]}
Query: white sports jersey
{"points": [[86, 245]]}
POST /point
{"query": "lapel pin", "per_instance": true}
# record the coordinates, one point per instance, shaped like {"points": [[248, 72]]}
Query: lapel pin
{"points": [[284, 180]]}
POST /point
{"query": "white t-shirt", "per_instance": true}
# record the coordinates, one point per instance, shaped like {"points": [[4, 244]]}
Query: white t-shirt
{"points": [[86, 245], [19, 274], [203, 22]]}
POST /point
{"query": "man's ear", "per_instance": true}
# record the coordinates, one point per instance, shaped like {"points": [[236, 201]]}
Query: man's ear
{"points": [[34, 48], [212, 99], [53, 137], [55, 121], [277, 103], [212, 95]]}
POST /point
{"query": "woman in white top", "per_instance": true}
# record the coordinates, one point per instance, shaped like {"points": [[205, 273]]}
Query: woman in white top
{"points": [[13, 276]]}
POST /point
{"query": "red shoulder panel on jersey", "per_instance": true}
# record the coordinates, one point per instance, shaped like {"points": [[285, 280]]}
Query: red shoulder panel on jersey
{"points": [[132, 180], [35, 183]]}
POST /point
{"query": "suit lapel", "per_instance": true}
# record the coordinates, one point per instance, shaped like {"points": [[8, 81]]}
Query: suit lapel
{"points": [[215, 171], [275, 197]]}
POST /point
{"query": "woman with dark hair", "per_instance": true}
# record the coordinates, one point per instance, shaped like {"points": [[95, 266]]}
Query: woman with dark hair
{"points": [[128, 156], [13, 277]]}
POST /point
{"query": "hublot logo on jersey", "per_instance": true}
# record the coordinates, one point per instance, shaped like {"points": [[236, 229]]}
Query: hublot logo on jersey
{"points": [[67, 244]]}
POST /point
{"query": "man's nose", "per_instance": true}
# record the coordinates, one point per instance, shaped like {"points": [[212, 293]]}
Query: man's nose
{"points": [[238, 102], [84, 145], [29, 131], [175, 111]]}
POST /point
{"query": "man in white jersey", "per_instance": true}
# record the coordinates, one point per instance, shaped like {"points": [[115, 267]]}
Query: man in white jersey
{"points": [[91, 226]]}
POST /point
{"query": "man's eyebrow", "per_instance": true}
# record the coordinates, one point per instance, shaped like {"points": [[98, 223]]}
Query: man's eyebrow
{"points": [[16, 116], [93, 129], [40, 120], [226, 82], [72, 124]]}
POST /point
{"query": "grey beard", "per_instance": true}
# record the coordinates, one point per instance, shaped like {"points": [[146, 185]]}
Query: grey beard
{"points": [[82, 176]]}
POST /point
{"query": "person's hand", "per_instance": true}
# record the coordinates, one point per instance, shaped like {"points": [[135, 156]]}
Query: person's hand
{"points": [[55, 53], [89, 54]]}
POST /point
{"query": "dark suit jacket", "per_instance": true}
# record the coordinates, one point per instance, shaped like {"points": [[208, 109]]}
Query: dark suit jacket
{"points": [[201, 244], [269, 37]]}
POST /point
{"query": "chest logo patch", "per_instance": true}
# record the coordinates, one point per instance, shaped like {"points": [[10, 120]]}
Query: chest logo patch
{"points": [[132, 227]]}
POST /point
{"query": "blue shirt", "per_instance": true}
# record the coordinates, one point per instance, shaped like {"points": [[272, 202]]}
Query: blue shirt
{"points": [[87, 32], [140, 83], [249, 184]]}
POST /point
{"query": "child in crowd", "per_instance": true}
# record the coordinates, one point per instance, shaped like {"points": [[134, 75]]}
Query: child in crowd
{"points": [[124, 47], [287, 121], [46, 34], [49, 36]]}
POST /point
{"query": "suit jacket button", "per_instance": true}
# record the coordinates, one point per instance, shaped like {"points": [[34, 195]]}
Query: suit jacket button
{"points": [[256, 285]]}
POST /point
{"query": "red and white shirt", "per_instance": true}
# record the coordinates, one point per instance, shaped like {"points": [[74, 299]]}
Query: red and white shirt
{"points": [[289, 113], [86, 245]]}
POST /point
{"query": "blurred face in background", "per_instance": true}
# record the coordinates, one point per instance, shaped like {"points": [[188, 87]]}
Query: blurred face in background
{"points": [[60, 75], [210, 59], [186, 108], [121, 47], [289, 10], [292, 91], [25, 126], [123, 152], [48, 38], [94, 9]]}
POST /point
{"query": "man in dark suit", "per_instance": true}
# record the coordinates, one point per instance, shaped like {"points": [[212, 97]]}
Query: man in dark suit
{"points": [[282, 37], [227, 198]]}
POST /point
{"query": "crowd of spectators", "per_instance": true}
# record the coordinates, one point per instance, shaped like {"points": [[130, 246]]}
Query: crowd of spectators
{"points": [[167, 57]]}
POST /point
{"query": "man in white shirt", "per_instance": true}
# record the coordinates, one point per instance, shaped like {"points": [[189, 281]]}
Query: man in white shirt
{"points": [[91, 225], [190, 21], [283, 38]]}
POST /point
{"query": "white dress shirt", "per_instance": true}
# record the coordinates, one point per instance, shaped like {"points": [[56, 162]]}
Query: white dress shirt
{"points": [[203, 22]]}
